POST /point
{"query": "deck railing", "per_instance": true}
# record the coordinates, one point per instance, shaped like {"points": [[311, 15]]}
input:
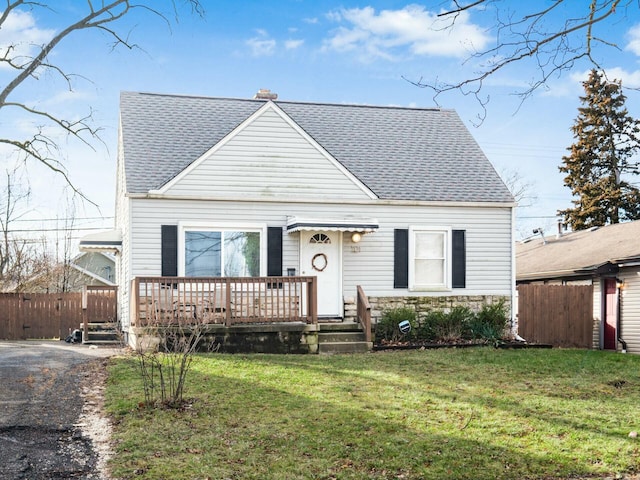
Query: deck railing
{"points": [[228, 301], [364, 313]]}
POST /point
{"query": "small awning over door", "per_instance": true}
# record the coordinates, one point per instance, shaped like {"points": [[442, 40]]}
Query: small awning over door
{"points": [[347, 224], [107, 241]]}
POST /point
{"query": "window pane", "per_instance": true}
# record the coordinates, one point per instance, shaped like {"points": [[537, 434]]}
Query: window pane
{"points": [[429, 245], [202, 254], [241, 254], [429, 272]]}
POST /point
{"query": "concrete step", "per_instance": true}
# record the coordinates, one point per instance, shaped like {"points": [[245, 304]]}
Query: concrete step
{"points": [[340, 336], [103, 342], [340, 327], [103, 336], [93, 326], [344, 347]]}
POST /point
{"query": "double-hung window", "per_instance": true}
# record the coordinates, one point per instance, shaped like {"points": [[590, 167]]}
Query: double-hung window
{"points": [[429, 258], [221, 252]]}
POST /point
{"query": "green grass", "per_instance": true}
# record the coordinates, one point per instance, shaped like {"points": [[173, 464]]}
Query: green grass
{"points": [[476, 413]]}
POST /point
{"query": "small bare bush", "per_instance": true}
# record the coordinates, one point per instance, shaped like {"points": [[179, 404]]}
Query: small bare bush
{"points": [[165, 360]]}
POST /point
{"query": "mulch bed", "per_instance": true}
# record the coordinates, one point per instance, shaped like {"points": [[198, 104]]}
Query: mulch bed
{"points": [[421, 345]]}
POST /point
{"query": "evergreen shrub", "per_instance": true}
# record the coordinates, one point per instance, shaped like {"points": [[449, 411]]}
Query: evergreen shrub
{"points": [[387, 327], [491, 322]]}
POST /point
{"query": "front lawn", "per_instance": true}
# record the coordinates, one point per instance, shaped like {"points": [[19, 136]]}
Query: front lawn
{"points": [[475, 413]]}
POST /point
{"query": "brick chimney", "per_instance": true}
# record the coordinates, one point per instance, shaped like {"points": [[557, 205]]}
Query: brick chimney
{"points": [[265, 94]]}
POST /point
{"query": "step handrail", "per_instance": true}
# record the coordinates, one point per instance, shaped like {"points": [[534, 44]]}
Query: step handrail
{"points": [[364, 313]]}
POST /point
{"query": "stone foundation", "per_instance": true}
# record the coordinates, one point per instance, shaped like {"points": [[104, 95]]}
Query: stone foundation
{"points": [[421, 305], [255, 338]]}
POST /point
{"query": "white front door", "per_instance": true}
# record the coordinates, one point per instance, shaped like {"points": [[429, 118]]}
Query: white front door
{"points": [[321, 256]]}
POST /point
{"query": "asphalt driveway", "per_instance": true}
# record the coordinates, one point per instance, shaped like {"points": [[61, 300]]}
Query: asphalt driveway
{"points": [[43, 429]]}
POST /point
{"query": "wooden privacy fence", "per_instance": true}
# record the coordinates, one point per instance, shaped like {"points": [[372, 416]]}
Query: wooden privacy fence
{"points": [[560, 315], [54, 315]]}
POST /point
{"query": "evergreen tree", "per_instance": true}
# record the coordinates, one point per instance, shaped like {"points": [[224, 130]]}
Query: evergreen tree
{"points": [[601, 160]]}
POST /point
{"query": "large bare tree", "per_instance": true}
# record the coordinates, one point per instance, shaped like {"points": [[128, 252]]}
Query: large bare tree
{"points": [[553, 36], [35, 61]]}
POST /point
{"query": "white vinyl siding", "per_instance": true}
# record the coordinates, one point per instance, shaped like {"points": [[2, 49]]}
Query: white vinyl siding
{"points": [[368, 263], [597, 312], [123, 260], [267, 158], [630, 309]]}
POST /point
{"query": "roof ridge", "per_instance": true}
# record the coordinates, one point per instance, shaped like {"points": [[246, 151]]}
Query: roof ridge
{"points": [[292, 102]]}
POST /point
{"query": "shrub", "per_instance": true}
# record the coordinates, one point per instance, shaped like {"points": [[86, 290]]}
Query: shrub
{"points": [[430, 325], [491, 322], [447, 327], [387, 327]]}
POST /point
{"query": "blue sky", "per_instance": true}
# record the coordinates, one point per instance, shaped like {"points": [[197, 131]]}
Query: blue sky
{"points": [[317, 51]]}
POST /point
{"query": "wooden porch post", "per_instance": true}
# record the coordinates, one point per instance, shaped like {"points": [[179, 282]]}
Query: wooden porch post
{"points": [[228, 302], [312, 295], [134, 302]]}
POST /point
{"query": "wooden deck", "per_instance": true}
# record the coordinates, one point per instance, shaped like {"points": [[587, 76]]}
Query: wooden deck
{"points": [[157, 301]]}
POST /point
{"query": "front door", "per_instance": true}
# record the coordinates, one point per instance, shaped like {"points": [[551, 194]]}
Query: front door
{"points": [[320, 256], [611, 313]]}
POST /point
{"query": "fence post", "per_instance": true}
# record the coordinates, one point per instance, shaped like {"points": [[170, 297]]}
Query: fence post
{"points": [[85, 316]]}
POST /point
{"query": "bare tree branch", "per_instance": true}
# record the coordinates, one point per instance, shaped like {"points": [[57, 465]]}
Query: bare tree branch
{"points": [[101, 16], [460, 8], [555, 48]]}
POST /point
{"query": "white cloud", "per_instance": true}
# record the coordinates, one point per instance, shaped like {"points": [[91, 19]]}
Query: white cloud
{"points": [[634, 40], [19, 31], [381, 34], [64, 97], [293, 44], [628, 79], [262, 45], [571, 85]]}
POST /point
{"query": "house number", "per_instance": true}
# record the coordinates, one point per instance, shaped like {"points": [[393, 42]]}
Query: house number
{"points": [[319, 262]]}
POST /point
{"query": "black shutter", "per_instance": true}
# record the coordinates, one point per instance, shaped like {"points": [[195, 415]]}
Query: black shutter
{"points": [[459, 260], [274, 251], [401, 258], [169, 250]]}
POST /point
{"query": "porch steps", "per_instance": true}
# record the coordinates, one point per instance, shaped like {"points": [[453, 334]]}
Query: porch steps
{"points": [[342, 337], [102, 333]]}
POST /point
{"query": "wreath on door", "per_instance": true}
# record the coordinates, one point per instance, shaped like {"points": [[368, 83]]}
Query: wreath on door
{"points": [[319, 262]]}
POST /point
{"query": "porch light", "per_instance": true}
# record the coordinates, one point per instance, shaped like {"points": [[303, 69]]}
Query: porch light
{"points": [[356, 237]]}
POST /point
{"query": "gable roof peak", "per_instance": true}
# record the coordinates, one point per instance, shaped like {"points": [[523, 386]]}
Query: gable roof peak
{"points": [[399, 153]]}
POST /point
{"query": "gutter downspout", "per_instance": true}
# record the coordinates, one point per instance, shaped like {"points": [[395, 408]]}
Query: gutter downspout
{"points": [[619, 320]]}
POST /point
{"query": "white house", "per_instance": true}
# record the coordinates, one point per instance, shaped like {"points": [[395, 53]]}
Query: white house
{"points": [[399, 201]]}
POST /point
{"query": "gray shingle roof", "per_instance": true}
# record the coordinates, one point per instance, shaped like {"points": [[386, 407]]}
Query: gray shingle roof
{"points": [[577, 251], [399, 153]]}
